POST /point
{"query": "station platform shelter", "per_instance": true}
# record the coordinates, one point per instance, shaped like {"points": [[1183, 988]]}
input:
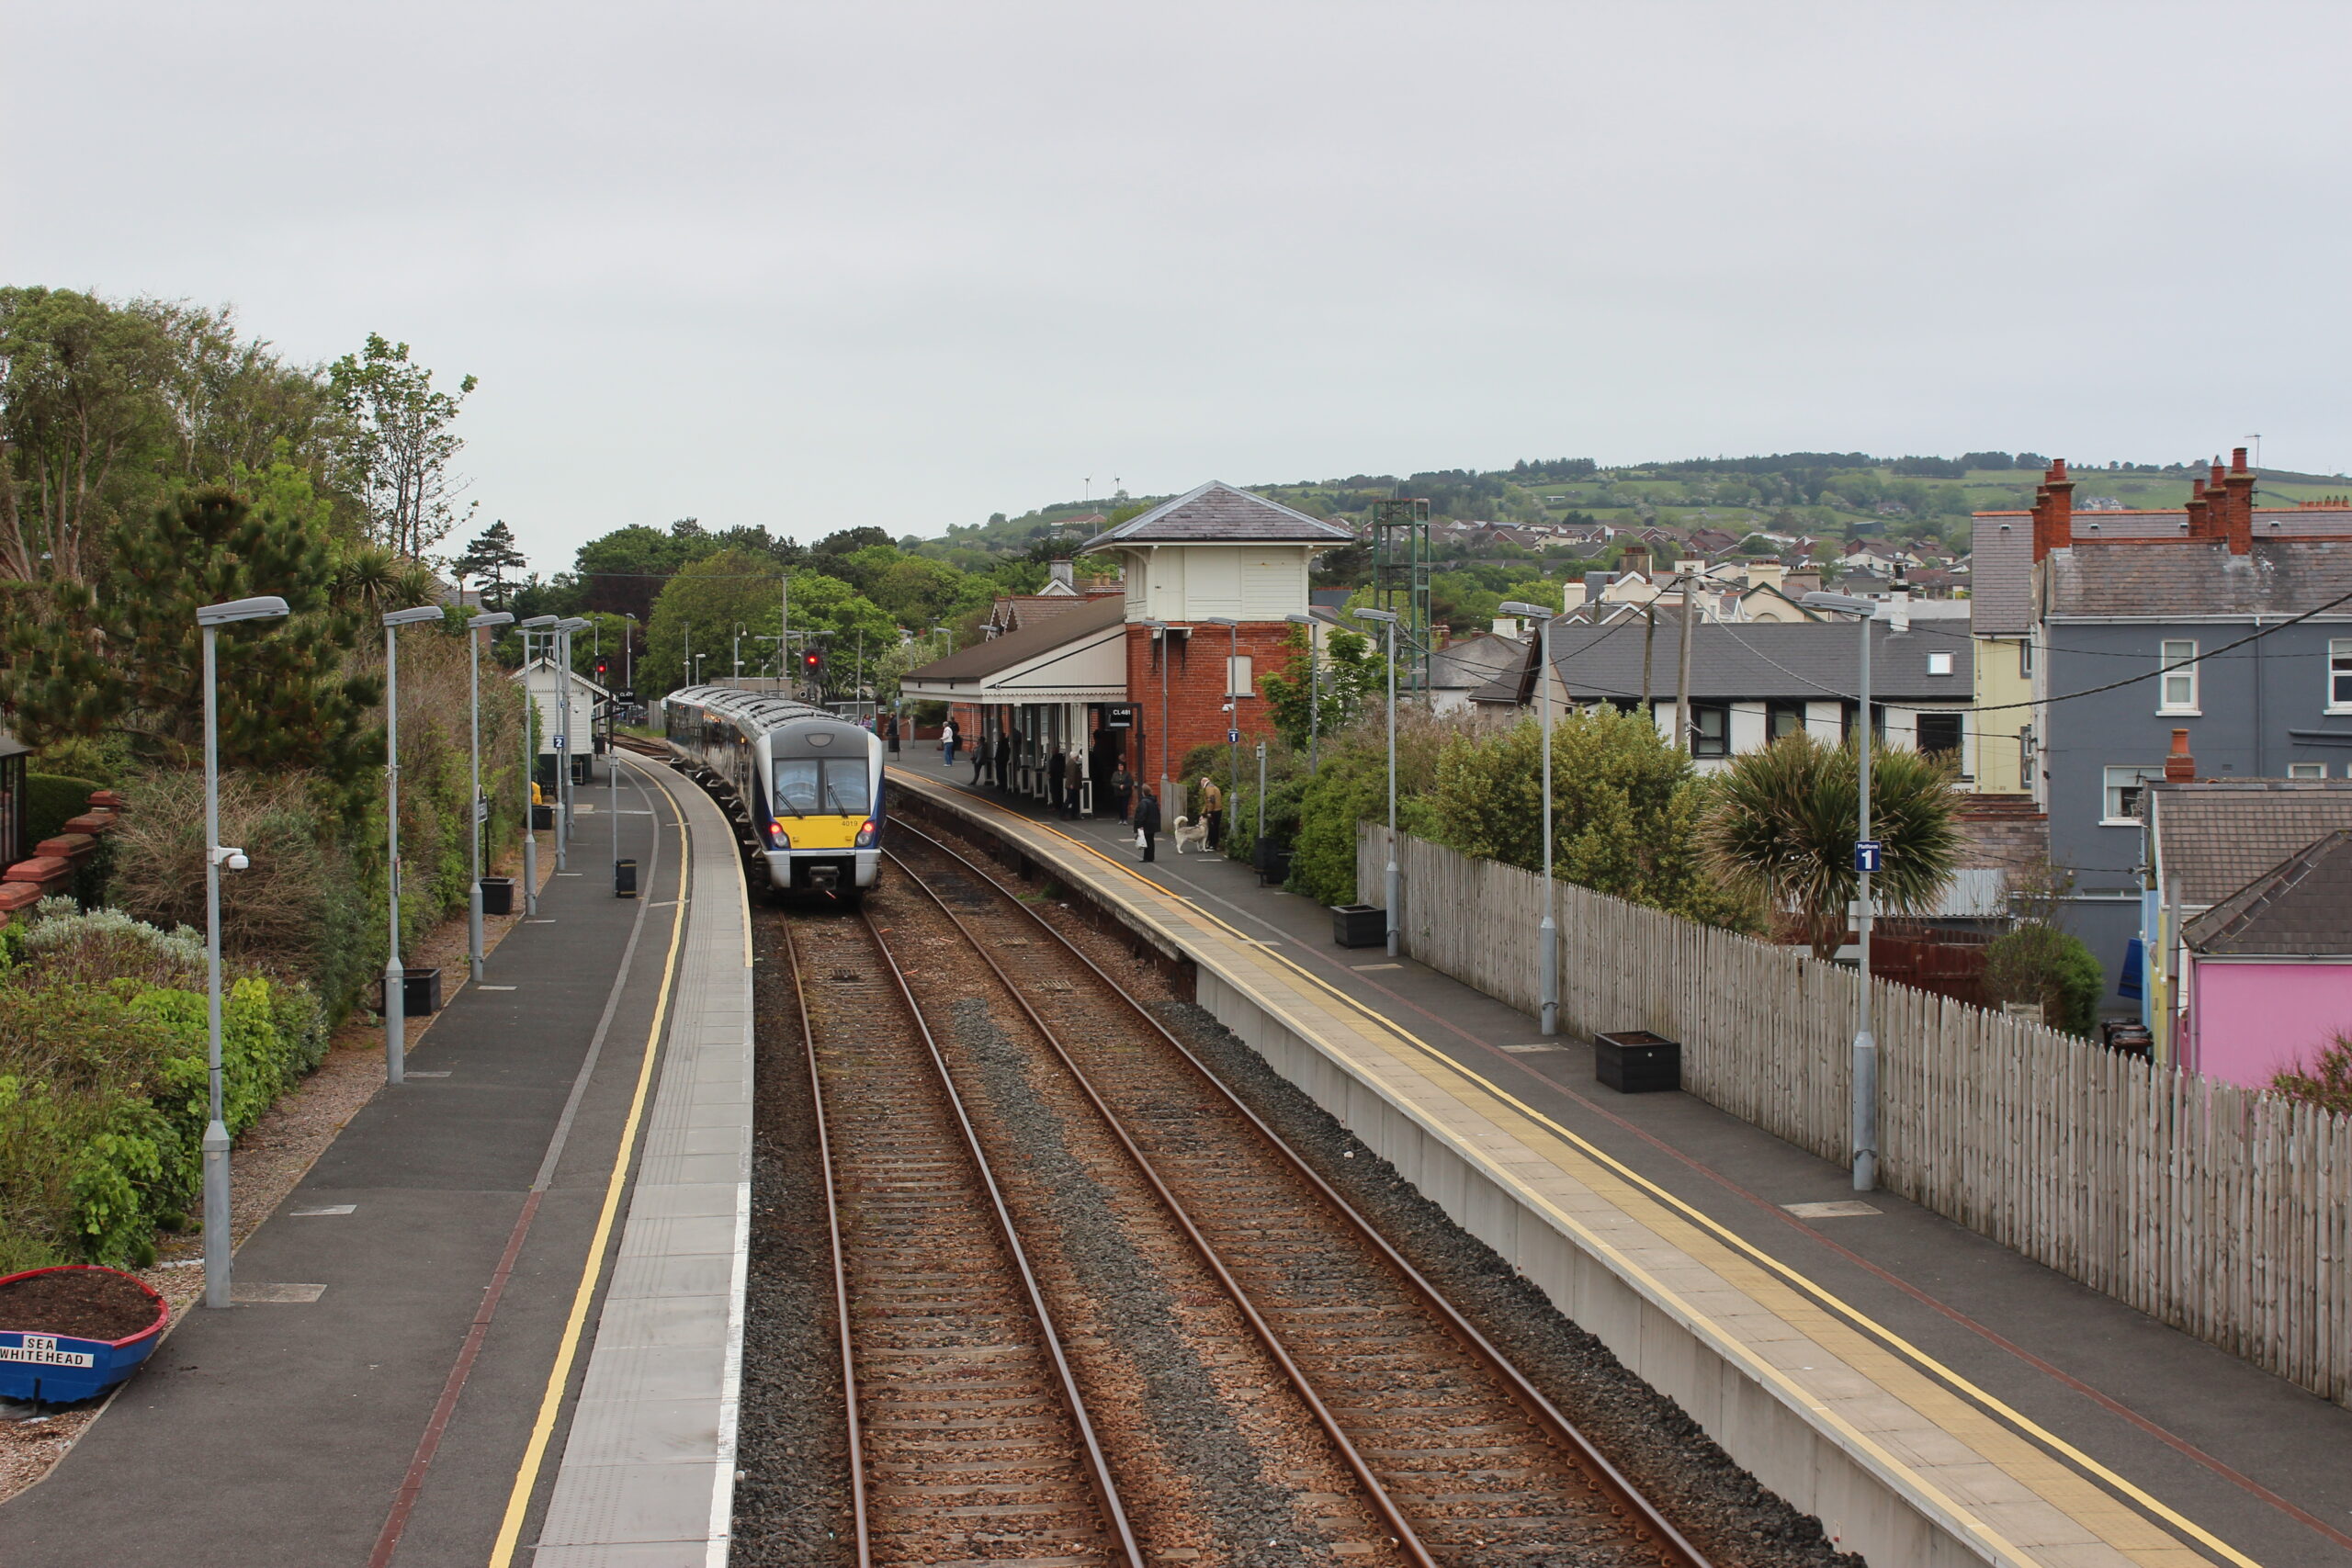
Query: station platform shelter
{"points": [[1140, 679]]}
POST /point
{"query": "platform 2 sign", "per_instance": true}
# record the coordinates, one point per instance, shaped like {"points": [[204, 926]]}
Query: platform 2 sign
{"points": [[41, 1350]]}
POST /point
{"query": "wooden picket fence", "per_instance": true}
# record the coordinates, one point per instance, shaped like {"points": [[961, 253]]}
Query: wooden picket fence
{"points": [[2225, 1212]]}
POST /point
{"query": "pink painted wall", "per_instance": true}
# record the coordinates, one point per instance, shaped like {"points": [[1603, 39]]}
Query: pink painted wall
{"points": [[2249, 1020]]}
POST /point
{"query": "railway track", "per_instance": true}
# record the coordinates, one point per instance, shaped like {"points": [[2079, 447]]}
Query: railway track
{"points": [[1449, 1455], [968, 1439]]}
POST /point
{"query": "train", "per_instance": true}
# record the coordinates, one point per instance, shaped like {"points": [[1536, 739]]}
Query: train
{"points": [[804, 786]]}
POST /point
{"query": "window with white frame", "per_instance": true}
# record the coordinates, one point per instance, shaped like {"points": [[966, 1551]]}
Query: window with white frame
{"points": [[2307, 770], [2025, 758], [2025, 658], [1940, 664], [2179, 686], [2339, 675], [2125, 789]]}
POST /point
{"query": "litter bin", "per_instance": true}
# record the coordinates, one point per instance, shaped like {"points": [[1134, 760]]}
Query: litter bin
{"points": [[497, 894], [1634, 1061], [1358, 925], [625, 879], [420, 992], [542, 816]]}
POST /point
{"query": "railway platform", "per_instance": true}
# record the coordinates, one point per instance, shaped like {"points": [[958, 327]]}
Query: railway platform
{"points": [[499, 1320], [2017, 1416]]}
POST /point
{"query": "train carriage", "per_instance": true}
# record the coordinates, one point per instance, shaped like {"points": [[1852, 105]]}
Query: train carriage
{"points": [[804, 787]]}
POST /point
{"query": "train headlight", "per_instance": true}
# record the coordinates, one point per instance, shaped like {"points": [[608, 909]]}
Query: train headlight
{"points": [[866, 834], [777, 837]]}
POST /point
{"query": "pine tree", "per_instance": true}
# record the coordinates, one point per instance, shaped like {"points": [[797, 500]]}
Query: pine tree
{"points": [[491, 555]]}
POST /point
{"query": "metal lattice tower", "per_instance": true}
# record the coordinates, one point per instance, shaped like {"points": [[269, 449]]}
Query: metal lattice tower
{"points": [[1400, 582]]}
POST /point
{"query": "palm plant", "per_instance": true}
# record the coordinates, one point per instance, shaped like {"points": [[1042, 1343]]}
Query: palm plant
{"points": [[1783, 827]]}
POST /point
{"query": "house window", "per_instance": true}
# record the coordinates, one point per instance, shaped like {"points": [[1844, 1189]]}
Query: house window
{"points": [[2124, 792], [1940, 664], [1939, 734], [2339, 675], [2179, 694], [2025, 758], [2307, 770], [1784, 718], [1709, 729], [2025, 658]]}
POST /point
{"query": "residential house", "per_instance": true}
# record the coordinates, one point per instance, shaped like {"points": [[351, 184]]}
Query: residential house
{"points": [[1751, 683], [2226, 621], [2247, 920], [1060, 595], [1463, 667]]}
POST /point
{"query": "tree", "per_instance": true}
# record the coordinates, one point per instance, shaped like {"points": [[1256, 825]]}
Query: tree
{"points": [[849, 541], [1356, 678], [398, 445], [127, 657], [709, 598], [493, 555], [1783, 827], [2037, 963]]}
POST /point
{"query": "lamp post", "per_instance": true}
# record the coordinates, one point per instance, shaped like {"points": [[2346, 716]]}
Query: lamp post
{"points": [[395, 973], [530, 765], [490, 623], [1388, 619], [211, 617], [1232, 702], [1864, 1112], [1314, 689], [628, 653], [1161, 630], [1548, 957]]}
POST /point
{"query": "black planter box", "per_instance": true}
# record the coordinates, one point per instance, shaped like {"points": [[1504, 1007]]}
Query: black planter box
{"points": [[420, 993], [1273, 865], [497, 894], [542, 816], [625, 879], [1358, 925], [1634, 1061]]}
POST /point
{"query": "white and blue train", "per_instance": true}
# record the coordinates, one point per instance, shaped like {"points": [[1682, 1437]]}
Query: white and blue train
{"points": [[804, 786]]}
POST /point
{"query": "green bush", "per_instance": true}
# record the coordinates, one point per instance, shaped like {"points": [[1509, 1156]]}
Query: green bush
{"points": [[2037, 963], [103, 1084], [51, 800]]}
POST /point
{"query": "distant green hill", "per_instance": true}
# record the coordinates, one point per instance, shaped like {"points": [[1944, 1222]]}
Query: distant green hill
{"points": [[1828, 494]]}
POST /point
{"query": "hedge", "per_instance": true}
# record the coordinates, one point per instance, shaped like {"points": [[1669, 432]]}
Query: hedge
{"points": [[51, 800]]}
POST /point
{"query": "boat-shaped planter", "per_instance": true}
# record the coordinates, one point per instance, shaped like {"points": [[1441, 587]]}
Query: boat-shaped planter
{"points": [[38, 1362]]}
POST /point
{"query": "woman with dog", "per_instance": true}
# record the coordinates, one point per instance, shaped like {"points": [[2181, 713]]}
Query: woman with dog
{"points": [[1146, 820]]}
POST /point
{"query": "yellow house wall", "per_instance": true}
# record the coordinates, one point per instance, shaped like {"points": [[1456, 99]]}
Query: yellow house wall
{"points": [[1999, 683]]}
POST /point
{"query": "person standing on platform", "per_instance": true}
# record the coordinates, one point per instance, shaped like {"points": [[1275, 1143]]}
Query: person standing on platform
{"points": [[1147, 822], [979, 759], [1056, 774], [1213, 810], [1075, 797], [891, 733], [947, 743], [1123, 784], [1003, 759]]}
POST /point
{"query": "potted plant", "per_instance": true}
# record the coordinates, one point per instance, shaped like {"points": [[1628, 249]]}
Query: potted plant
{"points": [[73, 1331]]}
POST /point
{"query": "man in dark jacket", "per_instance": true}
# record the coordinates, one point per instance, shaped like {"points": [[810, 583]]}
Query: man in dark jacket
{"points": [[1056, 770], [1148, 819], [1003, 759]]}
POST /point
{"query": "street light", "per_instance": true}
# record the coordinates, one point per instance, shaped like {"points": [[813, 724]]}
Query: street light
{"points": [[1547, 958], [216, 1130], [489, 623], [1864, 1113], [395, 973], [628, 653], [1314, 691], [1162, 629], [1232, 702], [563, 630], [1389, 620], [530, 766]]}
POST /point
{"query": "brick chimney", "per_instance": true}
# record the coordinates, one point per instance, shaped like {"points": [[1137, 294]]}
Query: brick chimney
{"points": [[2238, 520], [2053, 512], [2200, 521], [1634, 558], [2179, 766]]}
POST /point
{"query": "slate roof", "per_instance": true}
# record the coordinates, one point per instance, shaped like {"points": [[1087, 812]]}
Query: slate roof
{"points": [[1217, 513], [2216, 836], [1474, 662], [2197, 577], [1085, 618], [2300, 908], [1753, 660]]}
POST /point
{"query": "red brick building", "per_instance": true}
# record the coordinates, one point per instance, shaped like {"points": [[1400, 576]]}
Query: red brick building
{"points": [[1142, 680]]}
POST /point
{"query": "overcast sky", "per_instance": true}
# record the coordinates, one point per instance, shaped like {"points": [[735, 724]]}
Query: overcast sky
{"points": [[909, 264]]}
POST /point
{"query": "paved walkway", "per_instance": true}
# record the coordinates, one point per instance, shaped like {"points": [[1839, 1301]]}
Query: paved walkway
{"points": [[2240, 1465], [401, 1413]]}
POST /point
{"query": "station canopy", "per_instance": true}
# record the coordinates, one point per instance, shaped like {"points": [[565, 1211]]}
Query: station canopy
{"points": [[1080, 656]]}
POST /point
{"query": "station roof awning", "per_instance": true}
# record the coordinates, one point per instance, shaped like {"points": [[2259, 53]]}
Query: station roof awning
{"points": [[1080, 656]]}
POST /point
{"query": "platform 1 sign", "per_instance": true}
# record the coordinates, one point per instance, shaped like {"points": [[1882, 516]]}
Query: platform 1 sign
{"points": [[1868, 855]]}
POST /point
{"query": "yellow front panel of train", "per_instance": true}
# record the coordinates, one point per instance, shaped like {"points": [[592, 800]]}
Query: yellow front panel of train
{"points": [[824, 832]]}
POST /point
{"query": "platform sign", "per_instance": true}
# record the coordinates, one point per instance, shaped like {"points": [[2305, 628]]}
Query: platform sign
{"points": [[482, 808], [557, 739], [1868, 855], [1233, 737]]}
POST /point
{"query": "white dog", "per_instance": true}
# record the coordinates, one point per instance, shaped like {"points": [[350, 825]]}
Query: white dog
{"points": [[1188, 831]]}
